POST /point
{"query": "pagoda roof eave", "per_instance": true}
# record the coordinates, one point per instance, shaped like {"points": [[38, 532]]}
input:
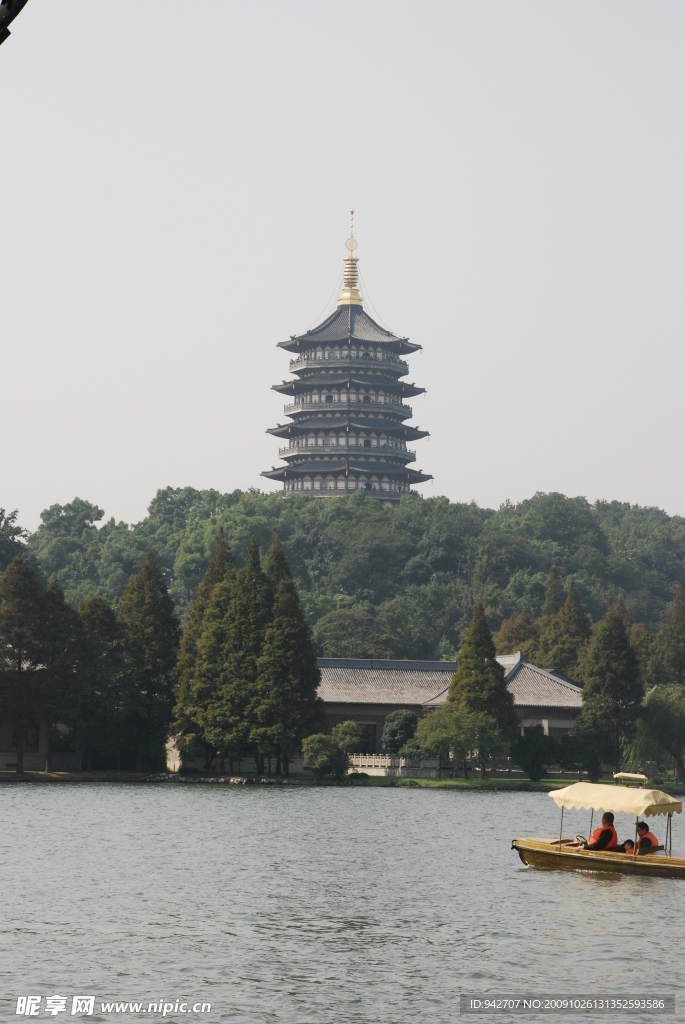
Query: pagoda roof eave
{"points": [[346, 324], [412, 476], [308, 426], [298, 387]]}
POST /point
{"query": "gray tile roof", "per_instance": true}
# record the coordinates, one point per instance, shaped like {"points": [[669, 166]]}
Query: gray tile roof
{"points": [[358, 681], [538, 687], [345, 322], [361, 681]]}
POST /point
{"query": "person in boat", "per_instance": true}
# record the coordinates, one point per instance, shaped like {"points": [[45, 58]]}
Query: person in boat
{"points": [[647, 841], [605, 837], [627, 847]]}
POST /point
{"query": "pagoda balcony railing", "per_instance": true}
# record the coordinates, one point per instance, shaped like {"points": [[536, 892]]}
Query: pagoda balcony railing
{"points": [[345, 406], [329, 446], [304, 362]]}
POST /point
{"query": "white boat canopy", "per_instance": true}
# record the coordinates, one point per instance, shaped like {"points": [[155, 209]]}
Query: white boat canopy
{"points": [[591, 796], [630, 777]]}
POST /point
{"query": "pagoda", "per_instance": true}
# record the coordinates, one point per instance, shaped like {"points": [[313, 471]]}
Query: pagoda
{"points": [[348, 426]]}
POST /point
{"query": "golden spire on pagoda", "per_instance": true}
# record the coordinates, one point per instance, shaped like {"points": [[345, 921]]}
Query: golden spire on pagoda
{"points": [[350, 296]]}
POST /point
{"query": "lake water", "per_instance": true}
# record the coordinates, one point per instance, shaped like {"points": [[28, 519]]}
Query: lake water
{"points": [[281, 904]]}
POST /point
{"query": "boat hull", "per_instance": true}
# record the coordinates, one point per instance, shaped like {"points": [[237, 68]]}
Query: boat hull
{"points": [[541, 853]]}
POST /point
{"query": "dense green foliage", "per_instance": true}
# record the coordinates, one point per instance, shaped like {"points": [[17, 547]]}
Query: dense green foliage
{"points": [[398, 729], [534, 752], [478, 684], [328, 756], [413, 573], [247, 669], [106, 677]]}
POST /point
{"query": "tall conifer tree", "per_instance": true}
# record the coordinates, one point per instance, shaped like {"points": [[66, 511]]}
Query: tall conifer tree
{"points": [[194, 694], [96, 701], [20, 650], [237, 618], [564, 641], [612, 694], [152, 633], [478, 684], [554, 595], [285, 707], [61, 651], [667, 663]]}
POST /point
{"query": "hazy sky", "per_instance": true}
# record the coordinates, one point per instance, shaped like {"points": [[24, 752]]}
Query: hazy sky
{"points": [[176, 186]]}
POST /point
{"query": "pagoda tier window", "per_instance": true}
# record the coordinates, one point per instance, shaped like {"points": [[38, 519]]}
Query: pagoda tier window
{"points": [[319, 353], [317, 484], [311, 441], [352, 441], [307, 484], [353, 396], [343, 396], [354, 353], [341, 483], [315, 397], [319, 441]]}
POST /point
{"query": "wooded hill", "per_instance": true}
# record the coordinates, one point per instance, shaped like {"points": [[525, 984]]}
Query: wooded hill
{"points": [[373, 579]]}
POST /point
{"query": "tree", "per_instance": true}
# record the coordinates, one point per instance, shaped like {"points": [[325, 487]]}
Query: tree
{"points": [[96, 702], [612, 694], [20, 651], [661, 730], [325, 757], [328, 756], [533, 752], [11, 538], [285, 707], [276, 568], [356, 633], [152, 634], [191, 695], [554, 595], [517, 634], [60, 650], [585, 748], [667, 663], [483, 736], [399, 727], [563, 642], [642, 642], [346, 735], [444, 731], [463, 734], [230, 645], [478, 684]]}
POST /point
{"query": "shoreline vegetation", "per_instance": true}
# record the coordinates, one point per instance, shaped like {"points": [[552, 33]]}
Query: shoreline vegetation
{"points": [[305, 780], [232, 672]]}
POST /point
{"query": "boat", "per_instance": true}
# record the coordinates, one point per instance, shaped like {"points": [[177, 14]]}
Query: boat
{"points": [[562, 854]]}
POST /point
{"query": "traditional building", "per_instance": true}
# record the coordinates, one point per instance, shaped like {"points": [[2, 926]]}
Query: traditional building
{"points": [[348, 423], [366, 692]]}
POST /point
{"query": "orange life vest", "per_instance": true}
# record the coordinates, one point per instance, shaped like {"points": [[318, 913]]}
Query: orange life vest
{"points": [[653, 839], [597, 833]]}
